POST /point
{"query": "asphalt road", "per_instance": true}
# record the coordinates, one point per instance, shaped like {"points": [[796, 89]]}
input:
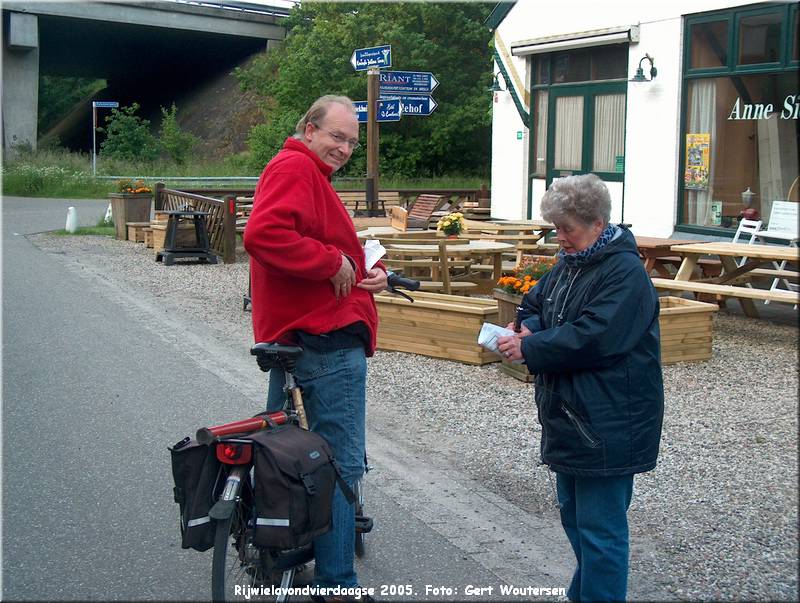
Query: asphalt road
{"points": [[98, 381]]}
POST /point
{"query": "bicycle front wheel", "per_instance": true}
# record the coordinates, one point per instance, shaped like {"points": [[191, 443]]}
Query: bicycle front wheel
{"points": [[358, 490]]}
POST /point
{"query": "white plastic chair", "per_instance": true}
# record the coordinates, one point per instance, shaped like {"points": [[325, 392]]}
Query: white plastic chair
{"points": [[747, 227]]}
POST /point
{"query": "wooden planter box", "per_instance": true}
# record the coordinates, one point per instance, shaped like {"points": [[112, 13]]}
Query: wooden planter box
{"points": [[136, 231], [442, 326], [686, 329], [126, 208]]}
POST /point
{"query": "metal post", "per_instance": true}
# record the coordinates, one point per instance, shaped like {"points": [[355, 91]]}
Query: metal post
{"points": [[94, 140], [373, 83]]}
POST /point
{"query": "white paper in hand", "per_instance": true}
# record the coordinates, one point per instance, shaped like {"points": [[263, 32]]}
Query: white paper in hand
{"points": [[488, 338], [373, 251]]}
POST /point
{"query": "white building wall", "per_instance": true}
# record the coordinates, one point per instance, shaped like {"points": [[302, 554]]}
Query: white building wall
{"points": [[653, 111], [508, 175]]}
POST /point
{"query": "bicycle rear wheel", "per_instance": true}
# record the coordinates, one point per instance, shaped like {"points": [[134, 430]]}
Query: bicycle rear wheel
{"points": [[229, 566]]}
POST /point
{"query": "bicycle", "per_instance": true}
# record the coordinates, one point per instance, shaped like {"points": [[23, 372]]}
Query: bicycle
{"points": [[237, 562]]}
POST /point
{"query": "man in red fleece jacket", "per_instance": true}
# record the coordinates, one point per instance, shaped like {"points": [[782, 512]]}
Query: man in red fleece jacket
{"points": [[310, 286]]}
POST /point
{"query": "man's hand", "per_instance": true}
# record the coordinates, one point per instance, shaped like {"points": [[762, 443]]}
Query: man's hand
{"points": [[344, 279], [375, 281]]}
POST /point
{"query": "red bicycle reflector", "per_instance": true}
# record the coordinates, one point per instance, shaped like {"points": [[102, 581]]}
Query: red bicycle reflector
{"points": [[234, 454]]}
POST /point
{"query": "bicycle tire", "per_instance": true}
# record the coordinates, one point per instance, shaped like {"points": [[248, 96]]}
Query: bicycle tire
{"points": [[360, 548]]}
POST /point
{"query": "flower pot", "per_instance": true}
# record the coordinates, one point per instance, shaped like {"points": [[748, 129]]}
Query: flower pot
{"points": [[129, 207]]}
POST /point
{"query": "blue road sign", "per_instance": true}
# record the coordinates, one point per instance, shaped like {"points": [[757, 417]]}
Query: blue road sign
{"points": [[388, 110], [407, 82], [105, 104], [366, 58], [416, 105]]}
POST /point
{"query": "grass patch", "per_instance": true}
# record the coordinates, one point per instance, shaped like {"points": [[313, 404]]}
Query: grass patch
{"points": [[103, 231], [68, 175]]}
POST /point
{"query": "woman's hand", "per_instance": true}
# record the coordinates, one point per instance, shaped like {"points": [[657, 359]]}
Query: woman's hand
{"points": [[375, 281], [511, 347]]}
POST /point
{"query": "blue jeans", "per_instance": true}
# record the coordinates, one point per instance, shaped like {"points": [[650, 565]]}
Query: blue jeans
{"points": [[334, 392], [594, 514]]}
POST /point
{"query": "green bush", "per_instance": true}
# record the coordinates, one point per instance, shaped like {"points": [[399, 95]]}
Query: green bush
{"points": [[176, 143], [128, 136]]}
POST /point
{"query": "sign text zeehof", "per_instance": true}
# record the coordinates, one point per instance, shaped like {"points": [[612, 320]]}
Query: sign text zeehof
{"points": [[790, 109]]}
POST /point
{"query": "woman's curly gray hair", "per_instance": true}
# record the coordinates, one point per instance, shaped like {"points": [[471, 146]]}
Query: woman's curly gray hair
{"points": [[584, 198]]}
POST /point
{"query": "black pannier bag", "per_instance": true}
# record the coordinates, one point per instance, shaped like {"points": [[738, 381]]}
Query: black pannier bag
{"points": [[196, 472], [295, 477]]}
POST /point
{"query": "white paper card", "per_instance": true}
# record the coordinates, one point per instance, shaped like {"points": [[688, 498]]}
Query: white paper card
{"points": [[488, 338], [373, 251]]}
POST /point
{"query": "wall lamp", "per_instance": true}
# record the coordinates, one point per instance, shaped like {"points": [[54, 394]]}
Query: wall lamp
{"points": [[640, 77], [496, 85]]}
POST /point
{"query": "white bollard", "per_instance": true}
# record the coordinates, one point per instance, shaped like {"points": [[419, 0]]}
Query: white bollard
{"points": [[72, 220]]}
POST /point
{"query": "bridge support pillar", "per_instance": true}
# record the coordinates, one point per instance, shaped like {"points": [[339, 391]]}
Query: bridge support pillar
{"points": [[20, 102]]}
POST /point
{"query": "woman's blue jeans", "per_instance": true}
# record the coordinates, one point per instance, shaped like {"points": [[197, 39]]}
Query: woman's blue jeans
{"points": [[594, 514], [334, 392]]}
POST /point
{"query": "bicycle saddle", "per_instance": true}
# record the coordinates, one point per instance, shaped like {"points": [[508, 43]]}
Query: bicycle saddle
{"points": [[273, 355]]}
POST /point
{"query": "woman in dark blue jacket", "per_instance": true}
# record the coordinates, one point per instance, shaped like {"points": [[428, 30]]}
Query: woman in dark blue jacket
{"points": [[590, 334]]}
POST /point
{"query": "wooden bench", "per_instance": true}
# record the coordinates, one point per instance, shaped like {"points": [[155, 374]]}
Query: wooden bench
{"points": [[354, 199], [789, 297]]}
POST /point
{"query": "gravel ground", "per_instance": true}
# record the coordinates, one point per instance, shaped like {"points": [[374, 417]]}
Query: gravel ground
{"points": [[717, 519]]}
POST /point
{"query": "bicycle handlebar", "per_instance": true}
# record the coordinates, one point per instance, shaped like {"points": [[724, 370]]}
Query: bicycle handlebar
{"points": [[207, 435], [395, 280]]}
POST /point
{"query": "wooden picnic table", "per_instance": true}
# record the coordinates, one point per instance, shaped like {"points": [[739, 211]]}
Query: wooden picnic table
{"points": [[729, 282], [526, 235], [473, 249], [655, 250]]}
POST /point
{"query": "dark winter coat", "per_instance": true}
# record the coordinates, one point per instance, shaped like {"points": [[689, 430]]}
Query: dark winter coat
{"points": [[596, 354]]}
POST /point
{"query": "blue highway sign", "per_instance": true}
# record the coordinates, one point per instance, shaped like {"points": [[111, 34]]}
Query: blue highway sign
{"points": [[106, 104], [388, 110], [417, 105], [407, 82], [366, 58]]}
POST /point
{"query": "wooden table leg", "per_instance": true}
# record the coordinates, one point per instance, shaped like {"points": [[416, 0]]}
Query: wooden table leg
{"points": [[748, 307], [687, 267]]}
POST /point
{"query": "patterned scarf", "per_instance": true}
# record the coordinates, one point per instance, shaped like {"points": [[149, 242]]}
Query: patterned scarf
{"points": [[580, 259]]}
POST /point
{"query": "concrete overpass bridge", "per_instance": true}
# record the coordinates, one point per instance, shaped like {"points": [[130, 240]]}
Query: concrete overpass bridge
{"points": [[147, 51]]}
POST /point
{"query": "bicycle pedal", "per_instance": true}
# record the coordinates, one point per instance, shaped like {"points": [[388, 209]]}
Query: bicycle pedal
{"points": [[363, 524]]}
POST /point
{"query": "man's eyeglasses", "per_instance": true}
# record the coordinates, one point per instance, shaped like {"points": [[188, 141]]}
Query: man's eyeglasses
{"points": [[339, 139]]}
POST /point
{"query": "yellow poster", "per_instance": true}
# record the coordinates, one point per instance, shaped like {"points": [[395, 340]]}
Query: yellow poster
{"points": [[698, 153]]}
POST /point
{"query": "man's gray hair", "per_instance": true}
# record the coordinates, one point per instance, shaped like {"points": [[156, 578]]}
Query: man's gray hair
{"points": [[584, 198], [319, 109]]}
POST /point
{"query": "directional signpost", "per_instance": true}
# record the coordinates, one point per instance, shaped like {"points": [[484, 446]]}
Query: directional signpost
{"points": [[388, 110], [415, 105], [98, 105], [407, 82], [401, 93], [367, 58]]}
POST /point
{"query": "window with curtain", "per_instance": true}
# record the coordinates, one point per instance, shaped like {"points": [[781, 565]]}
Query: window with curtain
{"points": [[741, 114], [609, 132], [569, 133]]}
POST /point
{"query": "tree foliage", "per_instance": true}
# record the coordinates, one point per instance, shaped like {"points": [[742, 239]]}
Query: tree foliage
{"points": [[128, 136], [447, 39], [58, 95]]}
